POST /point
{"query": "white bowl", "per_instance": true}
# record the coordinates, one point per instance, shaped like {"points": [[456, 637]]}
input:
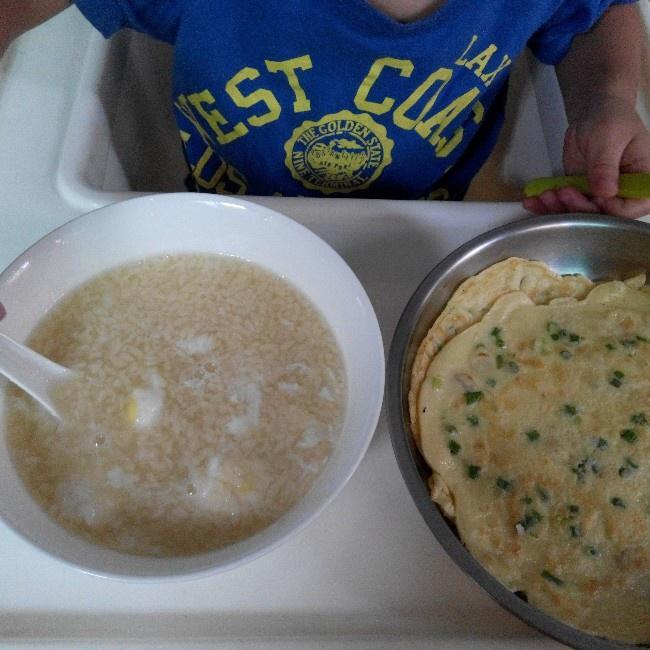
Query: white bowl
{"points": [[167, 223]]}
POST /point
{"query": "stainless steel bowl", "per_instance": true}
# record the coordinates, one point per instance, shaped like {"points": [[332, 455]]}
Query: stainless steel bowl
{"points": [[600, 248]]}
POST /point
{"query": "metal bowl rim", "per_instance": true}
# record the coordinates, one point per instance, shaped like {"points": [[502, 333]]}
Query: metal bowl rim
{"points": [[400, 435]]}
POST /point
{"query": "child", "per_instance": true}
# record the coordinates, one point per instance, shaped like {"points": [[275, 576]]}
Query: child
{"points": [[382, 98]]}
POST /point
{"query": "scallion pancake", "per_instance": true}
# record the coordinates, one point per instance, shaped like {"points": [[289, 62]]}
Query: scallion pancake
{"points": [[535, 419]]}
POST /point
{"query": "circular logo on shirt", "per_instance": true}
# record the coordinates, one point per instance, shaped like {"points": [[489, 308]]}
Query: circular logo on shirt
{"points": [[342, 152]]}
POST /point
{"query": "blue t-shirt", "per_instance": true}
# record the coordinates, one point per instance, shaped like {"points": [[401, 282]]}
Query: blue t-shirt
{"points": [[334, 98]]}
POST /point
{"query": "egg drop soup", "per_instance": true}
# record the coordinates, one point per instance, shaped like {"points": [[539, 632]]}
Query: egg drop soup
{"points": [[208, 397]]}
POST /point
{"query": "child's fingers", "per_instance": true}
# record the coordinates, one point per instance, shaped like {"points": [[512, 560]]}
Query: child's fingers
{"points": [[602, 174], [570, 200], [615, 140], [575, 201], [630, 208], [567, 199], [551, 202], [534, 205], [596, 151]]}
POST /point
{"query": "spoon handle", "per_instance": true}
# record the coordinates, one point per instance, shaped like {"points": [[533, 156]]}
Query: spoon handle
{"points": [[630, 186], [35, 374]]}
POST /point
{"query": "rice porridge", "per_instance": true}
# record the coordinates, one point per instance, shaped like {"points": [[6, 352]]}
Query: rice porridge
{"points": [[210, 394]]}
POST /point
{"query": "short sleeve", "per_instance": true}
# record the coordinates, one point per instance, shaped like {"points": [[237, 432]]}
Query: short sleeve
{"points": [[158, 18], [552, 41]]}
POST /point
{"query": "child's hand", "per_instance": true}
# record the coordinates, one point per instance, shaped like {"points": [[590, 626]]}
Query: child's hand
{"points": [[607, 139]]}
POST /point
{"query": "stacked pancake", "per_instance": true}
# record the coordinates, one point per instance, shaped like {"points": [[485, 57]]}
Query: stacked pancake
{"points": [[530, 401]]}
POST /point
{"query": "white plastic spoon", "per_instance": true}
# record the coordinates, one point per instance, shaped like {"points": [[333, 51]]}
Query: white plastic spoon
{"points": [[34, 373]]}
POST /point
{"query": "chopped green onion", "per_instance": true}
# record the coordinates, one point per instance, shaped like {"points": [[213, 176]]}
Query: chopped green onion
{"points": [[473, 471], [639, 418], [602, 443], [531, 518], [436, 382], [491, 382], [473, 420], [570, 409], [547, 575], [575, 530], [617, 502], [454, 447], [503, 484], [610, 346], [496, 334], [513, 367], [628, 468], [499, 361], [629, 435], [450, 428], [573, 508], [616, 379], [580, 469], [565, 354], [473, 396], [532, 435]]}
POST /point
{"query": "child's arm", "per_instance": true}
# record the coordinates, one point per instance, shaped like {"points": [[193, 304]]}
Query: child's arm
{"points": [[18, 16], [599, 78]]}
